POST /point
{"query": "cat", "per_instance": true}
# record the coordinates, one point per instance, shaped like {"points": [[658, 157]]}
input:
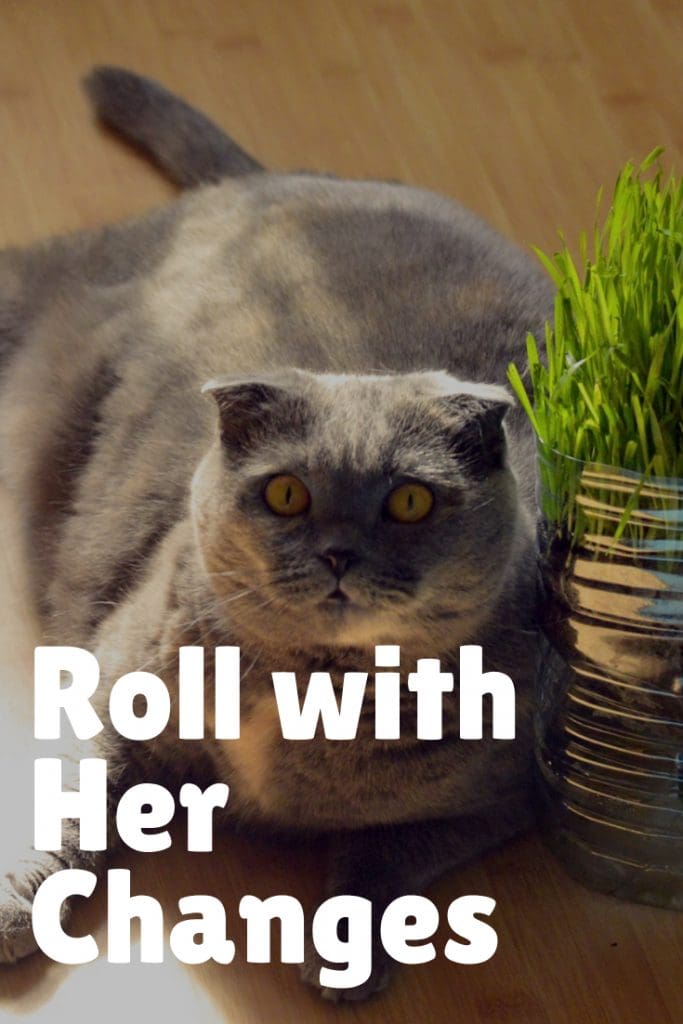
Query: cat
{"points": [[273, 414]]}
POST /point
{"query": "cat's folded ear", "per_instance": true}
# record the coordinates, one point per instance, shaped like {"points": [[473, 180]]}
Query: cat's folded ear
{"points": [[476, 430], [251, 408]]}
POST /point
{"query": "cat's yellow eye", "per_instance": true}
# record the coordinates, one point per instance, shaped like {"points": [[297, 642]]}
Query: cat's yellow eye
{"points": [[286, 495], [410, 503]]}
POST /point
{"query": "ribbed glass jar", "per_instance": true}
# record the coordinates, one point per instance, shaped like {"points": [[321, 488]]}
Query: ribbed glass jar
{"points": [[609, 721]]}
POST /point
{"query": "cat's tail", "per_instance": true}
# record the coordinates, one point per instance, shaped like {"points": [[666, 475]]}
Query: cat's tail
{"points": [[188, 147]]}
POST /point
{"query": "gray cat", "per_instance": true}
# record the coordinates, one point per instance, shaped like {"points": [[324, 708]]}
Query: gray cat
{"points": [[272, 415]]}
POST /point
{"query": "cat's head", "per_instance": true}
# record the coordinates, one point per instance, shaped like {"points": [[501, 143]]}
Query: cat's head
{"points": [[355, 510]]}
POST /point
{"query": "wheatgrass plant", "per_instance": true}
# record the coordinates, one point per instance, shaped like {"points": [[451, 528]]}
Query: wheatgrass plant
{"points": [[609, 390]]}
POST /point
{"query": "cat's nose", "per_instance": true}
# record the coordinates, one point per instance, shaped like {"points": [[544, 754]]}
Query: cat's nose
{"points": [[338, 560]]}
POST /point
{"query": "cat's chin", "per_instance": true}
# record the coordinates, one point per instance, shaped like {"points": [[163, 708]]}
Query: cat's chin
{"points": [[346, 623]]}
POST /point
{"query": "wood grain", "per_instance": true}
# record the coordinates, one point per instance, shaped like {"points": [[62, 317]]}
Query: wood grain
{"points": [[520, 111]]}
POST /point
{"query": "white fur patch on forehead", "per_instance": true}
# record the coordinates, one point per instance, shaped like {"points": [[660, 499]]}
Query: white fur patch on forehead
{"points": [[431, 383]]}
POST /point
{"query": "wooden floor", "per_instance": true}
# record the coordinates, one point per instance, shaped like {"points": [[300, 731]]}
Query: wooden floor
{"points": [[519, 110]]}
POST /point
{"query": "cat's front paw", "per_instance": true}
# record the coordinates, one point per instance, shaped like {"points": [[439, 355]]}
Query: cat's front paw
{"points": [[382, 969], [17, 889], [16, 930]]}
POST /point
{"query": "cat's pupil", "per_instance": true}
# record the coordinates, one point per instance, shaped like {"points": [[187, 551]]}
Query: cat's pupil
{"points": [[411, 501], [288, 494]]}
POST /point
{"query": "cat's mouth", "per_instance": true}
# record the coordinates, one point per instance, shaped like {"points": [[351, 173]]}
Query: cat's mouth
{"points": [[337, 596]]}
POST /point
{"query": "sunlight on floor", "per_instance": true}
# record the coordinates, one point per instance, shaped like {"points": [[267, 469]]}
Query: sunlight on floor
{"points": [[129, 992]]}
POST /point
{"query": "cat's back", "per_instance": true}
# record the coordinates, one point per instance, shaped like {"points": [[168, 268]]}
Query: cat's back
{"points": [[339, 275], [298, 269], [251, 274]]}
